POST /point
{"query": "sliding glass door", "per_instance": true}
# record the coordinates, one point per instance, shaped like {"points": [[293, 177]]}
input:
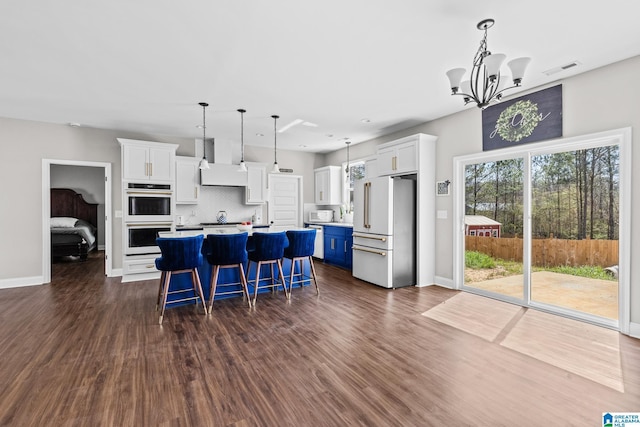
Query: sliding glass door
{"points": [[547, 225], [574, 234], [493, 225]]}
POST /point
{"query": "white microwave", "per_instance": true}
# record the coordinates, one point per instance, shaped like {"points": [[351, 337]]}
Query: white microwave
{"points": [[321, 216], [149, 203]]}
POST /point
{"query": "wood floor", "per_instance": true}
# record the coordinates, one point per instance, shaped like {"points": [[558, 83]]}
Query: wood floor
{"points": [[87, 350]]}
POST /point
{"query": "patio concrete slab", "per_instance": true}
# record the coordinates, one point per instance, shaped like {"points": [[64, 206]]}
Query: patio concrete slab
{"points": [[593, 296]]}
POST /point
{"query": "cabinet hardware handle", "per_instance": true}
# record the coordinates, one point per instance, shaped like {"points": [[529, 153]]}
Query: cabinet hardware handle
{"points": [[321, 198], [345, 246], [149, 266], [147, 224], [333, 243], [395, 163], [150, 169], [195, 191], [370, 251], [367, 188], [168, 193], [382, 239]]}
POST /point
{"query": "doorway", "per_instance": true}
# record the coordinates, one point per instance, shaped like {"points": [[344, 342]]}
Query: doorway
{"points": [[285, 201], [562, 209], [104, 217]]}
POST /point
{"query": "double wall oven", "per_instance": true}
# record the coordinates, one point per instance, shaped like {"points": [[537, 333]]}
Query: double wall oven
{"points": [[148, 211]]}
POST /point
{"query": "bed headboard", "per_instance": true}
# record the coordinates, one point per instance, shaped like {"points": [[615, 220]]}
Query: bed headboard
{"points": [[66, 202]]}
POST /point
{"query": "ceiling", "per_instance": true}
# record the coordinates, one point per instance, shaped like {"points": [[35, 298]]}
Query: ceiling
{"points": [[356, 69]]}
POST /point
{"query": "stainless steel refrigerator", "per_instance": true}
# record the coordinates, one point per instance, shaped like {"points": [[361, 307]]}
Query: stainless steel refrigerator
{"points": [[384, 231]]}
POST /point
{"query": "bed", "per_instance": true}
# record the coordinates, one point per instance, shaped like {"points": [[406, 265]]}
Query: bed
{"points": [[74, 224]]}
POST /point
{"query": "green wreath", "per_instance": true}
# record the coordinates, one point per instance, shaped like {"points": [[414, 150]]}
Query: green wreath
{"points": [[526, 118]]}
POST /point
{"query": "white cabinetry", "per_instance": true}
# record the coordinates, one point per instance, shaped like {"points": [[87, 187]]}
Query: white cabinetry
{"points": [[397, 158], [328, 185], [187, 180], [370, 167], [256, 190], [147, 161], [416, 154]]}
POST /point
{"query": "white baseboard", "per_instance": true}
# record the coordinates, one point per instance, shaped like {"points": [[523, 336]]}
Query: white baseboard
{"points": [[116, 272], [444, 282], [634, 330], [21, 281]]}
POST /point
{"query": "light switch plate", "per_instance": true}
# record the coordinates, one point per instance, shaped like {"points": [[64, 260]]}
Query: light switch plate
{"points": [[442, 214]]}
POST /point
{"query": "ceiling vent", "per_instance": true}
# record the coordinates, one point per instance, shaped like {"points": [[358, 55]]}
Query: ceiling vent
{"points": [[562, 68]]}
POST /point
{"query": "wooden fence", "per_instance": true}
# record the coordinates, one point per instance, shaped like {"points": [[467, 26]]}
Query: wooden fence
{"points": [[548, 252]]}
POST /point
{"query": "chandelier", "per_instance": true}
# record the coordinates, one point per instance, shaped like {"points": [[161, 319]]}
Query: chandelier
{"points": [[485, 85]]}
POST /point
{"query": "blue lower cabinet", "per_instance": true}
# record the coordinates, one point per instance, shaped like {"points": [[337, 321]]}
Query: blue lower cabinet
{"points": [[337, 246], [230, 276]]}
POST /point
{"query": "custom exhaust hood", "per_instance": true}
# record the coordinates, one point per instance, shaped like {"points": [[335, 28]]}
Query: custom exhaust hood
{"points": [[221, 170]]}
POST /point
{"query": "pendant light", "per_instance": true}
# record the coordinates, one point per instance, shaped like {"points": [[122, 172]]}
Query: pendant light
{"points": [[275, 169], [347, 168], [204, 164], [243, 166]]}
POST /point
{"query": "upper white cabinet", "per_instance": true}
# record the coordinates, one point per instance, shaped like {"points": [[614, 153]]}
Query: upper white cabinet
{"points": [[370, 169], [147, 161], [397, 158], [256, 190], [328, 185], [187, 180]]}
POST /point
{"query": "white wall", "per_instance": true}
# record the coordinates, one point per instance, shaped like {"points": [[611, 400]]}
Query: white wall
{"points": [[302, 164], [23, 145], [599, 100]]}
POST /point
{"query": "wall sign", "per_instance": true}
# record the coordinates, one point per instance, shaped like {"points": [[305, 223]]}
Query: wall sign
{"points": [[533, 117]]}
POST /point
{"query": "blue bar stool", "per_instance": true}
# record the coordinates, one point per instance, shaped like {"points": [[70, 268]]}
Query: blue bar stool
{"points": [[227, 251], [301, 245], [268, 248], [179, 255]]}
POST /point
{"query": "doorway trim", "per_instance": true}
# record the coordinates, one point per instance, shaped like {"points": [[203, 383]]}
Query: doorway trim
{"points": [[46, 213], [623, 138]]}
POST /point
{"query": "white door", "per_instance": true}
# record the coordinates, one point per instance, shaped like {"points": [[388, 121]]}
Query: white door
{"points": [[285, 201], [373, 207]]}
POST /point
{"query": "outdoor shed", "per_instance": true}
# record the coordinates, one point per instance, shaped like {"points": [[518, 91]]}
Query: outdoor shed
{"points": [[479, 225]]}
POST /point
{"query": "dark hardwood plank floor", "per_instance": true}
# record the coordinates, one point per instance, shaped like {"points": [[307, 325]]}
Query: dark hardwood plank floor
{"points": [[88, 350]]}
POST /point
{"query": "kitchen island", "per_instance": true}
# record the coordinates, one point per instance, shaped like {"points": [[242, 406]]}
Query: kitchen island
{"points": [[226, 276]]}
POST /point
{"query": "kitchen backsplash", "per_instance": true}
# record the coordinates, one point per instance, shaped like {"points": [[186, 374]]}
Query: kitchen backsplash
{"points": [[215, 199]]}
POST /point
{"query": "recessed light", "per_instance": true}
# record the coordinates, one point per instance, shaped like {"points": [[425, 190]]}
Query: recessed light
{"points": [[329, 135], [199, 126], [302, 146], [74, 124], [365, 121]]}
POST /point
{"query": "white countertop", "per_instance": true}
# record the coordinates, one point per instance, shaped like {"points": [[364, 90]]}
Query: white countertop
{"points": [[221, 230], [333, 224]]}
